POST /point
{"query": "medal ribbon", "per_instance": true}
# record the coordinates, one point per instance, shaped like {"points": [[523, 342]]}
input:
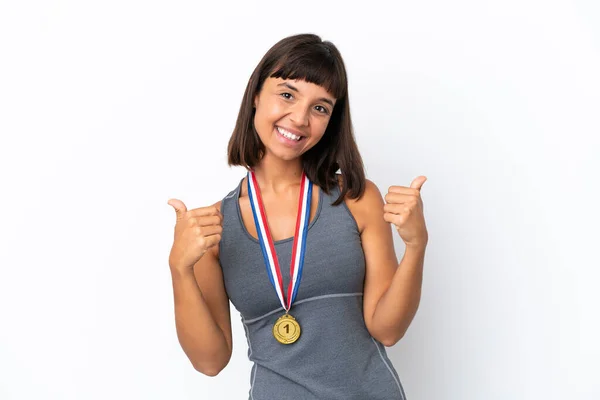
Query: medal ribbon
{"points": [[266, 241]]}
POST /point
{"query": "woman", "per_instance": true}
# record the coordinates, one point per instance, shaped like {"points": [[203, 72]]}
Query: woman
{"points": [[321, 333]]}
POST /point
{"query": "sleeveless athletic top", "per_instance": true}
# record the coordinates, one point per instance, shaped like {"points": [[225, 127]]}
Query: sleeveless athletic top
{"points": [[335, 357]]}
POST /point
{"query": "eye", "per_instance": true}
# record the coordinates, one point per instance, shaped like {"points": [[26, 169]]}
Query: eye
{"points": [[322, 110], [286, 95]]}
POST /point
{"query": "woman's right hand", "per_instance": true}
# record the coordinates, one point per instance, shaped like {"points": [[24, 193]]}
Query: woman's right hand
{"points": [[196, 231]]}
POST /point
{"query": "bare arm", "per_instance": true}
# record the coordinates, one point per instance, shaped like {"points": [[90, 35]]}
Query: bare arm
{"points": [[202, 316], [392, 291], [202, 312]]}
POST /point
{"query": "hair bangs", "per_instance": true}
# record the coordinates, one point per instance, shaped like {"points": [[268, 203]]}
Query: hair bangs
{"points": [[318, 67]]}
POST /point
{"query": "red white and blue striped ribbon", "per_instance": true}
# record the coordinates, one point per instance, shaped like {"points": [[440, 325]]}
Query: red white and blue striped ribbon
{"points": [[266, 241]]}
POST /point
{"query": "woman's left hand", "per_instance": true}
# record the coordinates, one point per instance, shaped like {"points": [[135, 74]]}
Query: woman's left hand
{"points": [[404, 209]]}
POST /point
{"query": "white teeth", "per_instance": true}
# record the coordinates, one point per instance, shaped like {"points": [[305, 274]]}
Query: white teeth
{"points": [[287, 134]]}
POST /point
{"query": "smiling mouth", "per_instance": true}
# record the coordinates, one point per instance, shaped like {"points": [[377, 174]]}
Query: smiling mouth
{"points": [[289, 135]]}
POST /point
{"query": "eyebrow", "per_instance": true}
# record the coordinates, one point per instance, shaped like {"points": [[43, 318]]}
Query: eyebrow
{"points": [[323, 99]]}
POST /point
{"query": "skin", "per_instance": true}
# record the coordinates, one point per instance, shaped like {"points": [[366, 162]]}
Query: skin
{"points": [[392, 290]]}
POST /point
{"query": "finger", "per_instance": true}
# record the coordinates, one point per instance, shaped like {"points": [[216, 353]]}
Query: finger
{"points": [[204, 211], [212, 240], [399, 198], [403, 190], [394, 208], [209, 220], [392, 218], [210, 230], [418, 182], [180, 208]]}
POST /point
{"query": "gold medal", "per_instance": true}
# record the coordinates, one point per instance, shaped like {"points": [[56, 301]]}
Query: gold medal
{"points": [[286, 329]]}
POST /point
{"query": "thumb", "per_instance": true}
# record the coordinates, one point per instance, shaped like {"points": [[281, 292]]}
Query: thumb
{"points": [[180, 208], [418, 182]]}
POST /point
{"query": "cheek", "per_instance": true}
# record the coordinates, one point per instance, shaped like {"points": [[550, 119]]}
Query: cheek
{"points": [[268, 112], [319, 126], [262, 119]]}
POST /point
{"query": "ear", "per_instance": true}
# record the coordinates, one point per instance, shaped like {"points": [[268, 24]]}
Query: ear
{"points": [[255, 102]]}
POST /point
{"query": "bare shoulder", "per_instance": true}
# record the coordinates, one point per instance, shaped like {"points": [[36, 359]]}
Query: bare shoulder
{"points": [[368, 206]]}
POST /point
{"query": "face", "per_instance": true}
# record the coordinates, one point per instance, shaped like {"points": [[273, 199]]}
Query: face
{"points": [[291, 116]]}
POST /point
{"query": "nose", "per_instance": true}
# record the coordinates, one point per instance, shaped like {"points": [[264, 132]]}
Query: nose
{"points": [[299, 115]]}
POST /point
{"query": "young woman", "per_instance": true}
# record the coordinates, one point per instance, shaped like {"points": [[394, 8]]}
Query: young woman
{"points": [[303, 252]]}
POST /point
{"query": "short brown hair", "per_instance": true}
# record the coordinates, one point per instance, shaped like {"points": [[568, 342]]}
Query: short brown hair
{"points": [[305, 57]]}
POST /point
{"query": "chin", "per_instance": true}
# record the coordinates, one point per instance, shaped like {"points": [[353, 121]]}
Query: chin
{"points": [[286, 156], [275, 150]]}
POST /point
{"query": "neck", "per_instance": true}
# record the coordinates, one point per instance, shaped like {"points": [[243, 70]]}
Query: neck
{"points": [[276, 175]]}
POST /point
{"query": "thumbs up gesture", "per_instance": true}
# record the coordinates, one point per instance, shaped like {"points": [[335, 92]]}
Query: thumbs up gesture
{"points": [[196, 231], [404, 209]]}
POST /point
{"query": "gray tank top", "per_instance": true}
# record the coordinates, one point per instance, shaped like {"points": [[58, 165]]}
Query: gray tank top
{"points": [[335, 356]]}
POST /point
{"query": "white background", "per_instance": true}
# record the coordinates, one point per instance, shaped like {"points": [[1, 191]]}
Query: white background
{"points": [[108, 109]]}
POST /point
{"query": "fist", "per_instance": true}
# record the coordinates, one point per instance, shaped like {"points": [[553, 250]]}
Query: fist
{"points": [[196, 231], [404, 209]]}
